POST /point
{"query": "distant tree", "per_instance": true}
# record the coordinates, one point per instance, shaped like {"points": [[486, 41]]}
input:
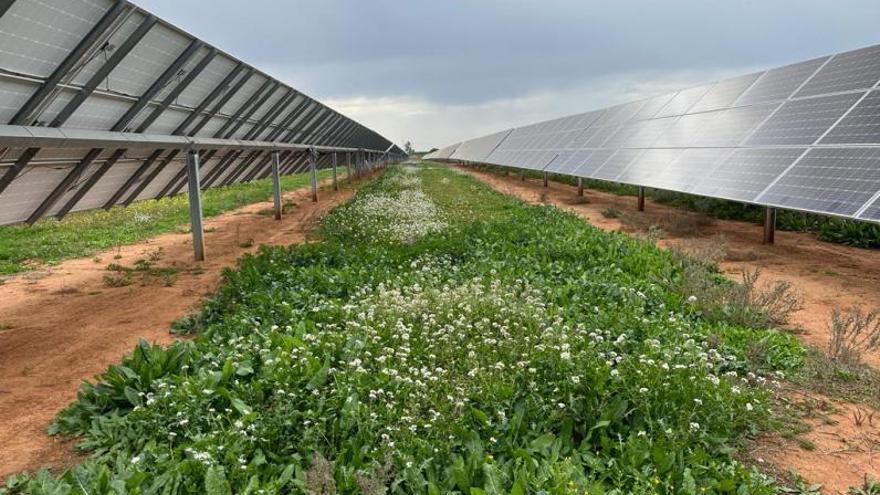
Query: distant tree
{"points": [[407, 147]]}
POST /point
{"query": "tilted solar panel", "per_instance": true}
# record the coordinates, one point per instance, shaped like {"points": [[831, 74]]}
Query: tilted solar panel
{"points": [[110, 66], [805, 136], [830, 180]]}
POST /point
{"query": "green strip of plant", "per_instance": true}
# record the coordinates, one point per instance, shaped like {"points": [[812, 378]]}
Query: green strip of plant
{"points": [[439, 338], [84, 233]]}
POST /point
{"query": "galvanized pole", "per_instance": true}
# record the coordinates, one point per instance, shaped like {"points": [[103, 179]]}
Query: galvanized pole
{"points": [[580, 187], [195, 204], [313, 173], [335, 179], [770, 225], [276, 184], [641, 198], [546, 179]]}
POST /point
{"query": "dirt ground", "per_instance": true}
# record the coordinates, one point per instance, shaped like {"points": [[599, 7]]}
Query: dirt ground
{"points": [[65, 324], [826, 275]]}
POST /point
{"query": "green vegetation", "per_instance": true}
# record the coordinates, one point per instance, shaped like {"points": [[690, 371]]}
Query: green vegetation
{"points": [[439, 338], [84, 233]]}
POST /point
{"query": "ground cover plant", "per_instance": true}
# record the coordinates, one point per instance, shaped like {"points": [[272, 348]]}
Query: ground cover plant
{"points": [[84, 233], [438, 338]]}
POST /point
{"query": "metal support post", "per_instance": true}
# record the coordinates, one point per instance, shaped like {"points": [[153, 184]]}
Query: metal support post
{"points": [[641, 198], [546, 179], [769, 225], [276, 184], [348, 165], [335, 178], [313, 173], [580, 187], [195, 204]]}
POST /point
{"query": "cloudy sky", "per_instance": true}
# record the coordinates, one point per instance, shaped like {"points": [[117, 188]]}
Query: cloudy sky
{"points": [[435, 72]]}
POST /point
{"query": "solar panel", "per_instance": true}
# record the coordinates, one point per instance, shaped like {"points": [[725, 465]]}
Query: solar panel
{"points": [[648, 166], [730, 127], [638, 134], [593, 162], [828, 180], [619, 114], [858, 69], [689, 168], [616, 165], [805, 136], [683, 101], [724, 93], [802, 122], [685, 131], [477, 150], [872, 212], [861, 124], [652, 106], [569, 162], [779, 84], [746, 173]]}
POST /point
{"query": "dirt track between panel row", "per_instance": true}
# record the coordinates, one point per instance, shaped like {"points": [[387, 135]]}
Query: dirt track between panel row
{"points": [[827, 275], [65, 324]]}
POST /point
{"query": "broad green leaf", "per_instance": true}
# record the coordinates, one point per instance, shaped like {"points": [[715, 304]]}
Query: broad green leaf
{"points": [[240, 406], [215, 482]]}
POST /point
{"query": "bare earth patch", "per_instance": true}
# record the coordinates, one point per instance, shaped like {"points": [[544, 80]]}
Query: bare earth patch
{"points": [[827, 275], [841, 448], [67, 323]]}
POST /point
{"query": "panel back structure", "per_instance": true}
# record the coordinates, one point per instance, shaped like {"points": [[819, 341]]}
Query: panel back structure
{"points": [[804, 137], [108, 66]]}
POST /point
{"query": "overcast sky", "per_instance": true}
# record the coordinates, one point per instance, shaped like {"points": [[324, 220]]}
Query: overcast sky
{"points": [[438, 71]]}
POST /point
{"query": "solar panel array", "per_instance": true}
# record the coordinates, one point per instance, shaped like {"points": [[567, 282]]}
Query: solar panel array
{"points": [[803, 137], [107, 65]]}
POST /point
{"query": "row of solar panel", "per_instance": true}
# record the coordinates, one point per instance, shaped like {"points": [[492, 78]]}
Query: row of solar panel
{"points": [[771, 138], [107, 65]]}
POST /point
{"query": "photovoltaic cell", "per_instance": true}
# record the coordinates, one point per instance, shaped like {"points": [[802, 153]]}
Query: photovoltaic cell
{"points": [[683, 101], [858, 69], [652, 106], [619, 114], [648, 166], [724, 93], [779, 84], [685, 131], [828, 180], [614, 166], [746, 173], [592, 163], [730, 127], [861, 125], [569, 162], [683, 173], [801, 122], [598, 137], [640, 134]]}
